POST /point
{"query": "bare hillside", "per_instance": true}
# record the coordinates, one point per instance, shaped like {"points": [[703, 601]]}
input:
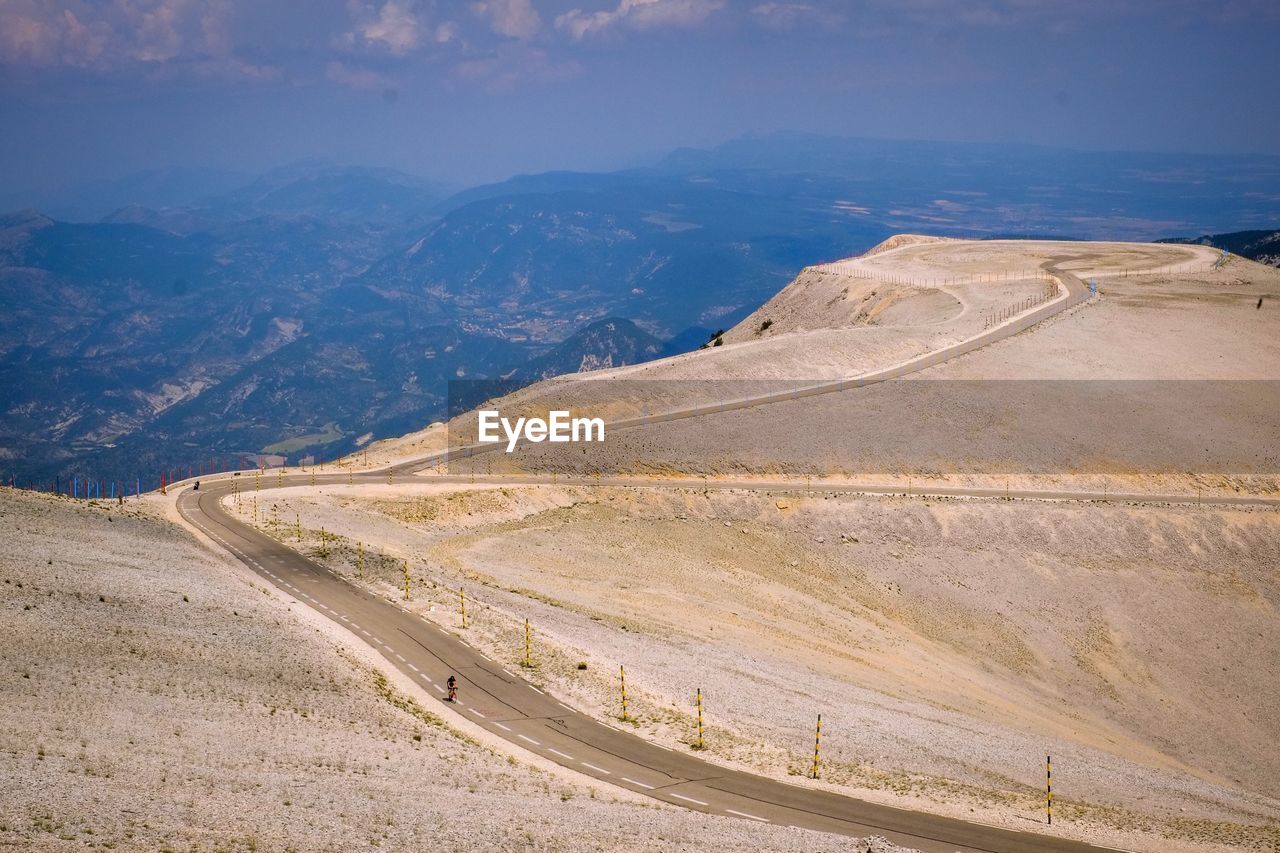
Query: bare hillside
{"points": [[156, 698], [948, 644]]}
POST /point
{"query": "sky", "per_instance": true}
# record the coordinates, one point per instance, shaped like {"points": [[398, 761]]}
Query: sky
{"points": [[476, 90]]}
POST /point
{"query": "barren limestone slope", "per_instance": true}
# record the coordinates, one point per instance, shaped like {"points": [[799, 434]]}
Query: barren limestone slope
{"points": [[1094, 397], [949, 645], [155, 697]]}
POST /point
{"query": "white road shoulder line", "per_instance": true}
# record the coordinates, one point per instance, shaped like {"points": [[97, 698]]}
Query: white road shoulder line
{"points": [[561, 754], [744, 814], [507, 729], [536, 690], [597, 769], [477, 713], [634, 782], [529, 739]]}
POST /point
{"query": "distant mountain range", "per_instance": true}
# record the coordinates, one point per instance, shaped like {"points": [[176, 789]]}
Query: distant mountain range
{"points": [[1260, 246], [209, 315]]}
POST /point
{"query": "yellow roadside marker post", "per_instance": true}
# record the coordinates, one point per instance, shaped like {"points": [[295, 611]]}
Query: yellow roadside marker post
{"points": [[462, 600], [817, 742], [700, 744], [360, 559], [297, 523], [528, 661], [622, 680], [1048, 787], [324, 543], [406, 580]]}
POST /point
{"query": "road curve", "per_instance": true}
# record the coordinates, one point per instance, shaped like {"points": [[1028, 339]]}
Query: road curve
{"points": [[517, 711], [1074, 292], [513, 709]]}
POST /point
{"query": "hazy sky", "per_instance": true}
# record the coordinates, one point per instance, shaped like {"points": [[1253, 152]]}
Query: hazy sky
{"points": [[467, 91]]}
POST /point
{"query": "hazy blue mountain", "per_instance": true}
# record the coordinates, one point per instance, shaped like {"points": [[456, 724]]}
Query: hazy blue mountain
{"points": [[307, 307], [666, 252], [982, 189], [156, 188], [1260, 246], [612, 342]]}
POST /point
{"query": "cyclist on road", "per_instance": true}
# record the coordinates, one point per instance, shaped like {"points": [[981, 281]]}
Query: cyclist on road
{"points": [[453, 689]]}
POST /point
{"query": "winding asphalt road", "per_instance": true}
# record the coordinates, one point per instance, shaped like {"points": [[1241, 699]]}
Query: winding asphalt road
{"points": [[511, 708]]}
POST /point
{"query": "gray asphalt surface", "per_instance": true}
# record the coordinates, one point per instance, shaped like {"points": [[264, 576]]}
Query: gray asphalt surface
{"points": [[515, 710]]}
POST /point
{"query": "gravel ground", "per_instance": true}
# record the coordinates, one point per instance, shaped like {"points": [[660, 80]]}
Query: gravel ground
{"points": [[948, 644], [158, 698]]}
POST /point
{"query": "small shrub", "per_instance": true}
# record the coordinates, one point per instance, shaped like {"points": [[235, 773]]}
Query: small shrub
{"points": [[764, 325], [582, 664]]}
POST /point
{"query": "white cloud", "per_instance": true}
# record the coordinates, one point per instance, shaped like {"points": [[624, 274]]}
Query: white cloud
{"points": [[511, 18], [639, 15], [791, 16], [105, 36], [395, 26]]}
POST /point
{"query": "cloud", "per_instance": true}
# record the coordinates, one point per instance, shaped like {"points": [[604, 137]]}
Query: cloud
{"points": [[447, 32], [506, 69], [103, 36], [395, 26], [792, 16], [511, 18], [638, 15]]}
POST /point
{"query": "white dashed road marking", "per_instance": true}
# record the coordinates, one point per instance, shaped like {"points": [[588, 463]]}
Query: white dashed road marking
{"points": [[561, 754], [744, 814], [689, 799], [634, 782], [531, 740], [599, 770]]}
